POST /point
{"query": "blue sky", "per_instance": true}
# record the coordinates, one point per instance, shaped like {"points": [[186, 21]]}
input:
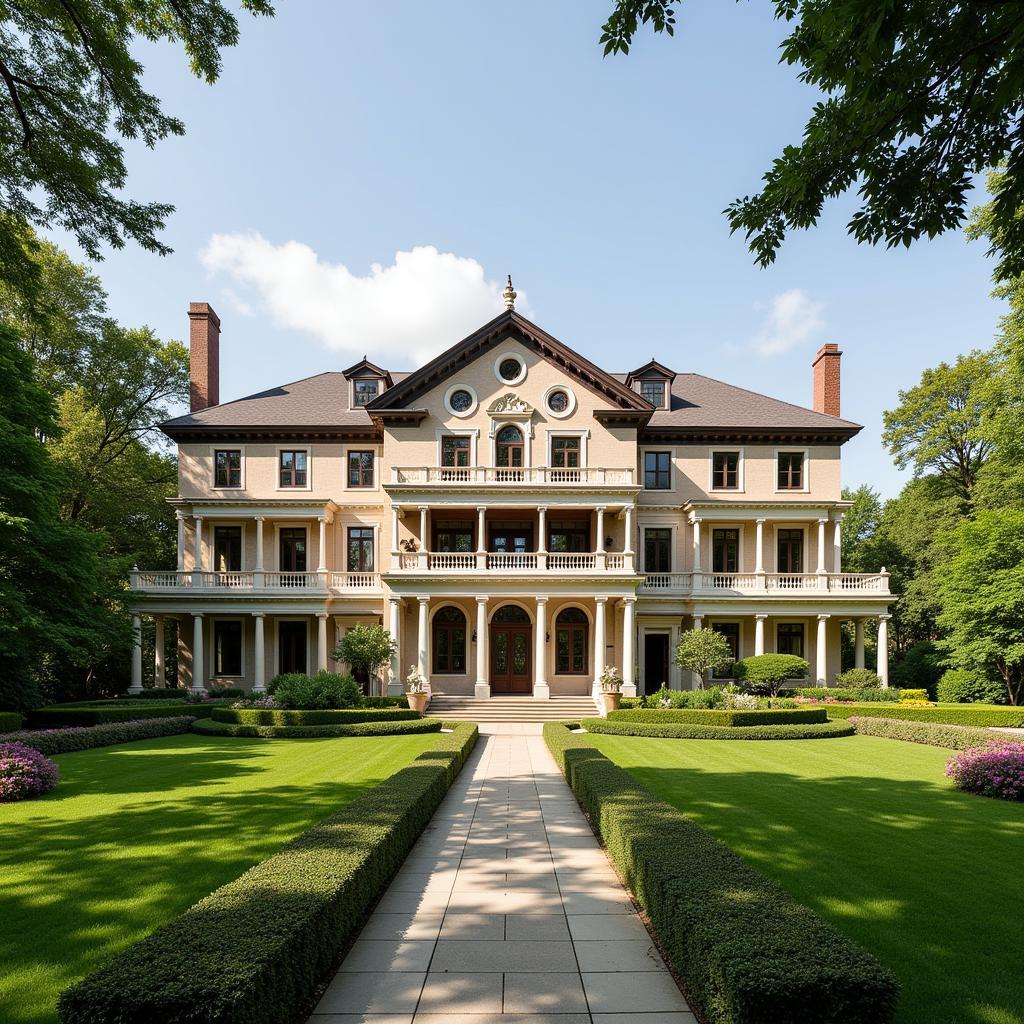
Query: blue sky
{"points": [[498, 134]]}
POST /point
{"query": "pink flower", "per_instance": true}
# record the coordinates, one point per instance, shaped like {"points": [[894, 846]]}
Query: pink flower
{"points": [[996, 770], [25, 772]]}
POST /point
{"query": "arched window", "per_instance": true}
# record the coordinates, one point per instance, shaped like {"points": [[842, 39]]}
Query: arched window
{"points": [[449, 641], [510, 447], [571, 642], [511, 615]]}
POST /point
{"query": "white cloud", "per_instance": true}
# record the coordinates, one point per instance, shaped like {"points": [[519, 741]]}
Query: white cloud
{"points": [[402, 314], [792, 320]]}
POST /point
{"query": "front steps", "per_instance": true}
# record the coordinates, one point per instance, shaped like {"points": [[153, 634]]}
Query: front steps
{"points": [[510, 709]]}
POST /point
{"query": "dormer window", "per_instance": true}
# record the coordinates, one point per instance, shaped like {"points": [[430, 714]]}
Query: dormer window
{"points": [[654, 382], [654, 392], [365, 391]]}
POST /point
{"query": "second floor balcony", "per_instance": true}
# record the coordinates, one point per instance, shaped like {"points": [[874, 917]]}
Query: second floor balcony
{"points": [[673, 584], [512, 562], [555, 476], [261, 582]]}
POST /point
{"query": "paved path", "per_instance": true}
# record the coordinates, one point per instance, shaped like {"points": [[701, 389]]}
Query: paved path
{"points": [[507, 910]]}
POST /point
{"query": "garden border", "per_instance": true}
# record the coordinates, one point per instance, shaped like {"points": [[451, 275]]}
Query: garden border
{"points": [[312, 716], [952, 714], [88, 737], [934, 734], [56, 717], [722, 717], [684, 731], [211, 727]]}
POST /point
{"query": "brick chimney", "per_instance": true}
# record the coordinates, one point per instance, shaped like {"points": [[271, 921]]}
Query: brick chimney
{"points": [[204, 355], [826, 379]]}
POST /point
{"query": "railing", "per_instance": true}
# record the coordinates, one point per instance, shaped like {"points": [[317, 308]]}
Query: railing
{"points": [[355, 581], [256, 581], [506, 560], [511, 475], [766, 583], [451, 560], [579, 561], [512, 561]]}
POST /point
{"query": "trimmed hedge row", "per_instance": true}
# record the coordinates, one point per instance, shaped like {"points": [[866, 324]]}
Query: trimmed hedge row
{"points": [[747, 952], [9, 721], [673, 731], [340, 716], [56, 717], [707, 716], [208, 727], [935, 734], [64, 741], [253, 951], [976, 715], [864, 694]]}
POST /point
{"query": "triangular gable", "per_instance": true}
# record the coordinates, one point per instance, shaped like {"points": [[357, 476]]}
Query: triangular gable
{"points": [[652, 369], [364, 368], [625, 403]]}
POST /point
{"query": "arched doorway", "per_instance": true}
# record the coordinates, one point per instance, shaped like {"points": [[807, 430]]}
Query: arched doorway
{"points": [[511, 646]]}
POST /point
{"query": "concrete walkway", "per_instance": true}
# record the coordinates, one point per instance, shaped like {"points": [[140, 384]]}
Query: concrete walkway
{"points": [[506, 910]]}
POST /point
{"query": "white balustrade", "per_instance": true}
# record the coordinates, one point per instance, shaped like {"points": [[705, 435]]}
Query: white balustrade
{"points": [[574, 560], [511, 475], [511, 560], [355, 581], [449, 560]]}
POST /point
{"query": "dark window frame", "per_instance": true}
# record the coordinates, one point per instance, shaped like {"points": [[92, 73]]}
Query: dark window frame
{"points": [[563, 447], [787, 539], [225, 482], [361, 398], [725, 549], [505, 450], [454, 446], [232, 542], [293, 533], [444, 656], [791, 470], [791, 631], [362, 470], [732, 633], [576, 663], [658, 473], [450, 529], [298, 476], [658, 389], [364, 537], [219, 637], [722, 472], [657, 549]]}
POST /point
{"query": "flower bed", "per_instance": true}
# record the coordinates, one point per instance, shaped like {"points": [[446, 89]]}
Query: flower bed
{"points": [[25, 773], [209, 727], [732, 718], [996, 770], [680, 731], [63, 741], [254, 951], [934, 734], [10, 721], [337, 716], [746, 951]]}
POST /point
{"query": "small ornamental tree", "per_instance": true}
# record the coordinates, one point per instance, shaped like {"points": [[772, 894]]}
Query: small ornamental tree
{"points": [[368, 649], [701, 651], [770, 671]]}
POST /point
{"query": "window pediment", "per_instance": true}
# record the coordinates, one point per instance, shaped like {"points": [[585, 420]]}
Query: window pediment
{"points": [[511, 405]]}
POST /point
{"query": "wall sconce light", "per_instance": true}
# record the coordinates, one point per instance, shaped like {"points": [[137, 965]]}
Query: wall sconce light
{"points": [[609, 541], [474, 636]]}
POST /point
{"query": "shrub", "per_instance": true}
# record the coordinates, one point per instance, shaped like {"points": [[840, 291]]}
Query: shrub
{"points": [[63, 741], [226, 691], [385, 702], [962, 686], [920, 695], [976, 715], [25, 773], [56, 716], [996, 770], [881, 696], [160, 693], [9, 721], [768, 672], [935, 734], [702, 651], [713, 697], [671, 731], [918, 667], [858, 678], [254, 951], [368, 649], [704, 716], [341, 716], [324, 690], [208, 727], [747, 952]]}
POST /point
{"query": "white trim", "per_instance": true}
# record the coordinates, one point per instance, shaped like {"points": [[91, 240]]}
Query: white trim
{"points": [[510, 354], [644, 449], [473, 433], [214, 448], [583, 435], [806, 470], [211, 657], [465, 412], [308, 449], [570, 408], [377, 467], [740, 488]]}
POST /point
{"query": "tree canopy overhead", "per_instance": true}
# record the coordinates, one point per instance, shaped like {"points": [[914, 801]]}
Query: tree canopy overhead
{"points": [[919, 97]]}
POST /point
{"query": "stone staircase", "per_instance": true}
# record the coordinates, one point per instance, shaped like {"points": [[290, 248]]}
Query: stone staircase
{"points": [[510, 709]]}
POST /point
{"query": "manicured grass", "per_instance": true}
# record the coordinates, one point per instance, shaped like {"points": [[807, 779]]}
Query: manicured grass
{"points": [[135, 834], [868, 833]]}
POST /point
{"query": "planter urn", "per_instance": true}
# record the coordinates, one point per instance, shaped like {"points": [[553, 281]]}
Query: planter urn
{"points": [[417, 701], [611, 701]]}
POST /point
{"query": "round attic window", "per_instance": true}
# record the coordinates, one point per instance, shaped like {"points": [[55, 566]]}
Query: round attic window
{"points": [[510, 368], [560, 401], [461, 400]]}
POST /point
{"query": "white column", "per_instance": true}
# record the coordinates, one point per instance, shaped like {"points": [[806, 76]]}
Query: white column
{"points": [[424, 543], [542, 529], [821, 651], [481, 541], [628, 528], [883, 649], [628, 636], [180, 516], [858, 643], [136, 686], [159, 674], [395, 686], [321, 642], [322, 562], [197, 546], [759, 548], [759, 621], [482, 690], [821, 546], [599, 548], [258, 567], [198, 662], [541, 689], [837, 544], [259, 674], [698, 621], [675, 673], [599, 640], [394, 530], [696, 552], [421, 639]]}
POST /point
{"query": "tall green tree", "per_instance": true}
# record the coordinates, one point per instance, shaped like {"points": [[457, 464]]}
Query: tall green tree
{"points": [[918, 98], [73, 90]]}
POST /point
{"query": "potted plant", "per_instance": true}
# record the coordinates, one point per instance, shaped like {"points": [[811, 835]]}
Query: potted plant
{"points": [[611, 689], [417, 691]]}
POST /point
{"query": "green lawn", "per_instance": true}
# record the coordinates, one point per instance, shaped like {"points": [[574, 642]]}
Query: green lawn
{"points": [[868, 832], [135, 834]]}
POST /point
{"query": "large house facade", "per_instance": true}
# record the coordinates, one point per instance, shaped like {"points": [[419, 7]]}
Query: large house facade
{"points": [[515, 515]]}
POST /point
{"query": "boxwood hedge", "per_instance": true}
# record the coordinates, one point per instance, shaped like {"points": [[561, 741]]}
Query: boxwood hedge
{"points": [[345, 716], [55, 716], [935, 734], [9, 721], [64, 741], [707, 716], [865, 694], [208, 727], [977, 715], [253, 951], [746, 951], [681, 731]]}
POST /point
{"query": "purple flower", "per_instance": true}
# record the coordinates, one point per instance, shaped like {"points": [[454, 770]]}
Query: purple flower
{"points": [[25, 772], [996, 770]]}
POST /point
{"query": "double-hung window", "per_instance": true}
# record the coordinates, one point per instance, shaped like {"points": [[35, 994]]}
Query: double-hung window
{"points": [[292, 468], [360, 549], [725, 550], [654, 392], [227, 471], [360, 468], [725, 471], [657, 471], [791, 471], [365, 391], [657, 549]]}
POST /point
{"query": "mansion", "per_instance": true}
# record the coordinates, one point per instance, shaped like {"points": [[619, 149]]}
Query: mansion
{"points": [[517, 517]]}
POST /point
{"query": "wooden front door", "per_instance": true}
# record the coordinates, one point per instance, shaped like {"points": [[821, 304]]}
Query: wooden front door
{"points": [[511, 650]]}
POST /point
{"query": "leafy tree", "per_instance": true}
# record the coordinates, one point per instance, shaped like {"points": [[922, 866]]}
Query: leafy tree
{"points": [[702, 651], [919, 98], [771, 671], [860, 524], [939, 425], [982, 591], [368, 649], [71, 83]]}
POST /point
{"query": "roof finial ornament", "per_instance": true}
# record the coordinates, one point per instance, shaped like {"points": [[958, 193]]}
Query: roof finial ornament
{"points": [[509, 294]]}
